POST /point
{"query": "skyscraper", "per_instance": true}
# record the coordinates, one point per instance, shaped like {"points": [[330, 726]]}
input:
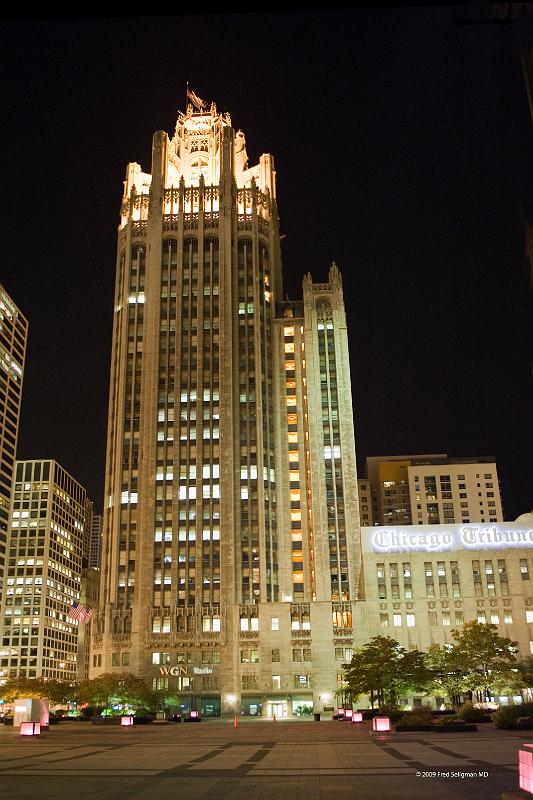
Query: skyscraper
{"points": [[43, 576], [231, 547], [13, 335]]}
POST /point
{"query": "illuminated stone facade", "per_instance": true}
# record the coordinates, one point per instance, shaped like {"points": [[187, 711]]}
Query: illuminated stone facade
{"points": [[422, 582], [13, 336], [231, 565]]}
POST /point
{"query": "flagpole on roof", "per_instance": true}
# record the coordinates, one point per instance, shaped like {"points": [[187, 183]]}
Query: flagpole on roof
{"points": [[186, 96]]}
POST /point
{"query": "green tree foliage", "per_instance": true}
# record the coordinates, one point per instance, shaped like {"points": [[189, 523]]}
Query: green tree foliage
{"points": [[447, 678], [485, 659], [122, 689], [525, 672], [57, 692], [385, 670]]}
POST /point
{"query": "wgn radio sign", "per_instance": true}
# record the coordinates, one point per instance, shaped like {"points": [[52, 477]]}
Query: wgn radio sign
{"points": [[450, 537]]}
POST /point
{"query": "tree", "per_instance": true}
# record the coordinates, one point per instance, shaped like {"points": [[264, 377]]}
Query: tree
{"points": [[446, 676], [55, 691], [385, 670], [122, 689], [483, 657], [525, 671]]}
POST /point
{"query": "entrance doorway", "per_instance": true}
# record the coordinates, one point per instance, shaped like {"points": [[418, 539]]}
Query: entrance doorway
{"points": [[277, 708]]}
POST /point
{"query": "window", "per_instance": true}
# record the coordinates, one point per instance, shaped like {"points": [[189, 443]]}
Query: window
{"points": [[274, 624], [495, 618], [125, 659], [249, 682], [410, 619], [446, 619], [524, 569], [276, 681], [115, 659], [383, 620], [529, 615], [275, 655], [397, 620]]}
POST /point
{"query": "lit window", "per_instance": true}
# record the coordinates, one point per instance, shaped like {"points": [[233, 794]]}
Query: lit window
{"points": [[274, 624]]}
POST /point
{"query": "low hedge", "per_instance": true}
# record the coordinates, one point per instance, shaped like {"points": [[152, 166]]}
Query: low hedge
{"points": [[506, 716]]}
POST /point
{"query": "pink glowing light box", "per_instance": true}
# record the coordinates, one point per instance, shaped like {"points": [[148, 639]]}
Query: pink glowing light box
{"points": [[381, 724], [525, 768], [30, 728]]}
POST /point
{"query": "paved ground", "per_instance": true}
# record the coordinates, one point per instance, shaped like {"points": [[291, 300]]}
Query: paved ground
{"points": [[258, 760]]}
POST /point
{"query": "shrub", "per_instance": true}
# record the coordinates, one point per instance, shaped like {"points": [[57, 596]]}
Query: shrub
{"points": [[394, 714], [419, 716], [470, 713], [88, 712], [506, 716], [447, 719], [144, 712]]}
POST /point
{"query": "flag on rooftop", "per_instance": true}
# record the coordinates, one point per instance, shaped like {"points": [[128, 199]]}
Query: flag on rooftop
{"points": [[80, 612], [195, 100]]}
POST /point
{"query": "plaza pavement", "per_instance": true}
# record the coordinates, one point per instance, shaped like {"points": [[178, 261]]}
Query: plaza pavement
{"points": [[258, 760]]}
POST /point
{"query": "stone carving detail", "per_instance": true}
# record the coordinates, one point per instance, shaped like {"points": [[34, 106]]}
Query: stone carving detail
{"points": [[323, 309], [170, 222], [138, 229]]}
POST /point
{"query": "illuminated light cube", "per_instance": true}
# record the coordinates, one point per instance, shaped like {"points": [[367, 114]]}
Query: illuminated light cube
{"points": [[381, 724], [340, 712], [194, 714], [126, 720], [357, 716], [525, 768], [348, 713], [30, 728]]}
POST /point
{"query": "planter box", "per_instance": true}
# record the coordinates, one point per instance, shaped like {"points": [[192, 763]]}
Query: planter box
{"points": [[468, 728], [405, 728]]}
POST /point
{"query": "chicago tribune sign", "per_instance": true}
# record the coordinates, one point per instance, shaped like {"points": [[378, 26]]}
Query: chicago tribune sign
{"points": [[440, 538], [184, 671]]}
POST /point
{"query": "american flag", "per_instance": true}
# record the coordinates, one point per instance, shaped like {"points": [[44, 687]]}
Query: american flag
{"points": [[80, 612], [195, 100]]}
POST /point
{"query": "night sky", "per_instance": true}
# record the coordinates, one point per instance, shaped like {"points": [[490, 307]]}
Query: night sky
{"points": [[403, 147]]}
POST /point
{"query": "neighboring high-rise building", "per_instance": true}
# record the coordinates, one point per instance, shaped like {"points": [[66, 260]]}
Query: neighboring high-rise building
{"points": [[13, 336], [365, 502], [433, 489], [43, 575], [231, 550], [95, 541]]}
